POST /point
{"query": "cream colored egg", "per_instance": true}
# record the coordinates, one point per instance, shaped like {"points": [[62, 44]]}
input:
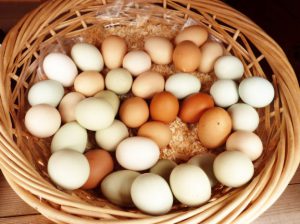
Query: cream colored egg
{"points": [[118, 80], [195, 33], [163, 168], [224, 92], [110, 97], [89, 83], [160, 50], [229, 67], [211, 51], [137, 62]]}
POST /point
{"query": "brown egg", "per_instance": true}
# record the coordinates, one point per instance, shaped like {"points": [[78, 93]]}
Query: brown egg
{"points": [[89, 83], [197, 34], [157, 131], [101, 164], [186, 56], [134, 112], [194, 106], [67, 106], [164, 107], [211, 51], [214, 127]]}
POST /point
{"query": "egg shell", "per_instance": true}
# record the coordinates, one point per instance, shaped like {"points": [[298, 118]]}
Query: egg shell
{"points": [[163, 168], [59, 67], [87, 57], [197, 34], [94, 114], [110, 97], [211, 51], [89, 83], [101, 164], [67, 106], [160, 50], [256, 91], [246, 142], [110, 137], [68, 169], [164, 107], [157, 131], [137, 153], [229, 67], [233, 168], [147, 84], [134, 112], [113, 49], [186, 56], [151, 194], [194, 106], [190, 185], [182, 85], [116, 187], [70, 136], [42, 120], [118, 80], [137, 62], [214, 127]]}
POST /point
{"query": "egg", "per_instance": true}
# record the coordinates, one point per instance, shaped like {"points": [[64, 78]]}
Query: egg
{"points": [[110, 97], [134, 112], [246, 142], [190, 185], [101, 164], [197, 34], [157, 131], [67, 106], [89, 83], [164, 107], [116, 187], [205, 162], [233, 168], [194, 106], [70, 136], [68, 169], [110, 137], [186, 56], [42, 120], [147, 84], [163, 168], [87, 57], [224, 92], [160, 50], [211, 51], [59, 67], [182, 85], [229, 67], [94, 114], [118, 80], [151, 194], [46, 92], [137, 153], [214, 127], [137, 62], [256, 91], [244, 117], [113, 49]]}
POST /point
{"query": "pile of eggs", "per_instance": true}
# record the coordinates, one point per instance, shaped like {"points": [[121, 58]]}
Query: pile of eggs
{"points": [[128, 111]]}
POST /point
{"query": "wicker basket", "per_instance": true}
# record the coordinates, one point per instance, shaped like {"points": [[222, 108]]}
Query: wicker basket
{"points": [[23, 157]]}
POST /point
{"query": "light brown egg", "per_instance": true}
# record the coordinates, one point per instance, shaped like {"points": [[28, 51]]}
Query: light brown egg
{"points": [[214, 127], [164, 107], [186, 56], [160, 50], [134, 112], [197, 34], [67, 106], [89, 83], [113, 50], [211, 51], [101, 164], [157, 131]]}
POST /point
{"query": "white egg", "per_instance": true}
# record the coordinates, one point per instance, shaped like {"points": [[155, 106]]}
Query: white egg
{"points": [[163, 168], [190, 185], [256, 91], [151, 194], [137, 62], [70, 136], [60, 67], [137, 153], [68, 169], [87, 57], [244, 117], [228, 67], [224, 92], [182, 85], [46, 92], [110, 97], [118, 80]]}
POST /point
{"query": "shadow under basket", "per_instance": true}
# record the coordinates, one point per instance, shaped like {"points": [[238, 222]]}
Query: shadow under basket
{"points": [[55, 25]]}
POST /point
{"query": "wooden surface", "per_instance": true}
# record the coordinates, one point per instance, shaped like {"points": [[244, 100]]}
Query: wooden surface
{"points": [[285, 211]]}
